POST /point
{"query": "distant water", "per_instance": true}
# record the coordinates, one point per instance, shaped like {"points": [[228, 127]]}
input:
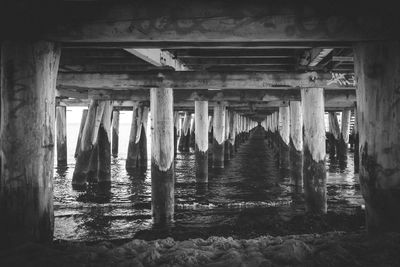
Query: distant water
{"points": [[248, 197]]}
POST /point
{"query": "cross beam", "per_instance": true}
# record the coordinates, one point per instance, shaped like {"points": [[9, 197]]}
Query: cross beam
{"points": [[204, 80]]}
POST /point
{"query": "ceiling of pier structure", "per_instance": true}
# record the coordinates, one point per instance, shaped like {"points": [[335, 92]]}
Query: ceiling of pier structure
{"points": [[137, 39]]}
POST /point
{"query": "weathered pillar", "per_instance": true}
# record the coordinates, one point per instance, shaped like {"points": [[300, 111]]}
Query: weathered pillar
{"points": [[201, 151], [296, 145], [344, 138], [93, 169], [176, 131], [162, 155], [314, 172], [82, 125], [137, 148], [28, 79], [377, 68], [192, 137], [219, 135], [104, 146], [232, 133], [61, 119], [115, 133], [356, 144], [276, 137], [143, 159], [227, 152], [87, 158], [284, 132], [334, 134], [184, 141]]}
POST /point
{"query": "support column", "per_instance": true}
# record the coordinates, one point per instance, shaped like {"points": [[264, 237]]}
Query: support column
{"points": [[344, 139], [334, 135], [201, 151], [296, 145], [184, 141], [284, 131], [28, 79], [82, 125], [115, 133], [219, 135], [232, 133], [377, 68], [137, 148], [192, 138], [227, 152], [61, 119], [143, 139], [104, 146], [162, 156], [87, 158], [356, 144], [314, 172], [176, 132]]}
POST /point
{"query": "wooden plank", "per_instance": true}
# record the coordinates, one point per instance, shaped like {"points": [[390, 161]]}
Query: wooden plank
{"points": [[205, 80], [241, 61], [342, 59], [242, 45], [158, 57]]}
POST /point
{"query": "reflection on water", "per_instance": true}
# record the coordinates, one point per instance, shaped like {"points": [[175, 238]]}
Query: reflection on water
{"points": [[248, 196]]}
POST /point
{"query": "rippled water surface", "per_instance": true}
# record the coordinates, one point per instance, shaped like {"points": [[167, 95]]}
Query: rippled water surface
{"points": [[247, 198]]}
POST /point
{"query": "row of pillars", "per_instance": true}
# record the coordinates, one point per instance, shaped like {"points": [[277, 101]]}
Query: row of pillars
{"points": [[302, 155], [338, 138], [93, 144], [285, 135], [99, 124], [28, 79]]}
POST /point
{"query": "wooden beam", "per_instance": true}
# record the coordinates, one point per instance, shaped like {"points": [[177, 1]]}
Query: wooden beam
{"points": [[209, 95], [342, 59], [242, 45], [235, 53], [177, 20], [241, 61], [203, 80], [182, 105], [116, 68], [158, 57]]}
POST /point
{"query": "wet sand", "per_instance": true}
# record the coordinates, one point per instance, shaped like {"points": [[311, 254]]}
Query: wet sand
{"points": [[328, 249]]}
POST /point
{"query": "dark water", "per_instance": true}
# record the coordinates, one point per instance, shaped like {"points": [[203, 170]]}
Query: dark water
{"points": [[246, 199]]}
